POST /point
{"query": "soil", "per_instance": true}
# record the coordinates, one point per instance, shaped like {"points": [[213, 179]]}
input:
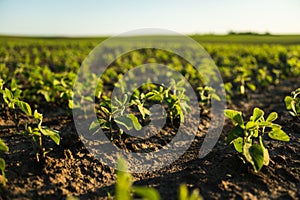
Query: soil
{"points": [[71, 170]]}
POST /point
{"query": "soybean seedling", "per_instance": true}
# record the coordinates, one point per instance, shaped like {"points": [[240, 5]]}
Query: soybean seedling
{"points": [[125, 190], [292, 103], [11, 98], [247, 137], [115, 113], [3, 148], [37, 134]]}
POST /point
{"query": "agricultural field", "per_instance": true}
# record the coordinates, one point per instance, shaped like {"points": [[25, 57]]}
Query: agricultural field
{"points": [[256, 156]]}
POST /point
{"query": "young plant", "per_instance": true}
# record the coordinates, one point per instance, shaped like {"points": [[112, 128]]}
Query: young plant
{"points": [[243, 79], [3, 148], [184, 194], [125, 190], [174, 96], [292, 103], [11, 98], [247, 137], [263, 77], [114, 113], [37, 134], [128, 121], [207, 94]]}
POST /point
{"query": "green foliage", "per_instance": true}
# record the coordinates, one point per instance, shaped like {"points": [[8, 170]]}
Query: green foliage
{"points": [[125, 190], [184, 194], [2, 169], [43, 71], [11, 98], [292, 103], [146, 193], [247, 137], [112, 112], [243, 79], [124, 182], [207, 94], [3, 148], [37, 134]]}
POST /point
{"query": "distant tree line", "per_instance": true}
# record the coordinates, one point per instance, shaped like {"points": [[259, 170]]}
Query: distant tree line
{"points": [[247, 33]]}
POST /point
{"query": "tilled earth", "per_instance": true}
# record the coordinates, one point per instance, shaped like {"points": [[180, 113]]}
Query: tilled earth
{"points": [[70, 169]]}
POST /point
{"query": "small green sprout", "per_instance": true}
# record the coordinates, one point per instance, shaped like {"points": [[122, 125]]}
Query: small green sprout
{"points": [[125, 190], [292, 103], [3, 148], [247, 137], [37, 135], [11, 98]]}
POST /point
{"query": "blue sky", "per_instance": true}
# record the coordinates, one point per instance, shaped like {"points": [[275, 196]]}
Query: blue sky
{"points": [[110, 17]]}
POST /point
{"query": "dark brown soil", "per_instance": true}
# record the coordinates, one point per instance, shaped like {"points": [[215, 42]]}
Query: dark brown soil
{"points": [[71, 170]]}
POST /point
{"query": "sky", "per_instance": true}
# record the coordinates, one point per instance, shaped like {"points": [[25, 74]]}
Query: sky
{"points": [[112, 17]]}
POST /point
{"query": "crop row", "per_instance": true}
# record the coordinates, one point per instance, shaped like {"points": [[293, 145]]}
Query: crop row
{"points": [[36, 73]]}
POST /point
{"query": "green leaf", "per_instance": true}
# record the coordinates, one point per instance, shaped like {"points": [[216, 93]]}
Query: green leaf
{"points": [[184, 194], [235, 116], [278, 134], [251, 86], [144, 111], [238, 144], [1, 85], [135, 121], [257, 114], [105, 110], [54, 135], [70, 104], [13, 84], [275, 126], [73, 198], [255, 155], [154, 96], [195, 195], [265, 124], [124, 121], [146, 193], [25, 107], [37, 115], [250, 125], [214, 96], [2, 168], [8, 94], [288, 102], [272, 116], [3, 146], [234, 134], [266, 152], [255, 133], [17, 94], [94, 125], [124, 181], [266, 157], [2, 165], [46, 94]]}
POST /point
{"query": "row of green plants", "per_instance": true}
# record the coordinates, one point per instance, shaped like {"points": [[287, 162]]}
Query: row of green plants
{"points": [[36, 131], [44, 71], [48, 68]]}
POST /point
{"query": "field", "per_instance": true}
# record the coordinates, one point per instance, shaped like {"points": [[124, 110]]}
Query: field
{"points": [[46, 158]]}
